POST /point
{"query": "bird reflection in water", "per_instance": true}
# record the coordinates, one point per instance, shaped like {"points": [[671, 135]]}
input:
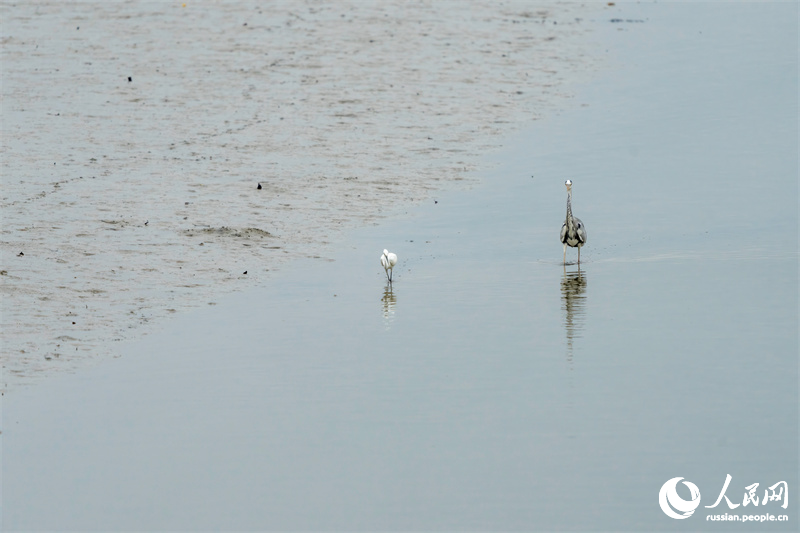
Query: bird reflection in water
{"points": [[573, 289], [389, 302]]}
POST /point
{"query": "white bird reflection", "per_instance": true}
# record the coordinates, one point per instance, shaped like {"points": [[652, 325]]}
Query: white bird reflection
{"points": [[389, 301]]}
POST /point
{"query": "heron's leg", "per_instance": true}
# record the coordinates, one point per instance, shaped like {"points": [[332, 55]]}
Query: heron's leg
{"points": [[579, 255], [565, 253]]}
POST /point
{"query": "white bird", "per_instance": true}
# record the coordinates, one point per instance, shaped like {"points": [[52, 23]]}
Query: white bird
{"points": [[388, 261], [573, 232]]}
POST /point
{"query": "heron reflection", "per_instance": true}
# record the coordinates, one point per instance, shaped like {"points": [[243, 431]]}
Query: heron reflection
{"points": [[389, 301], [573, 289]]}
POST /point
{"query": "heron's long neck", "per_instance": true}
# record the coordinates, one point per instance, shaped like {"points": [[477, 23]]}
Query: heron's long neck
{"points": [[569, 208]]}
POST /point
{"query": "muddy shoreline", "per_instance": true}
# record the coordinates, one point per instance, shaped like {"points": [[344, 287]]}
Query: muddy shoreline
{"points": [[136, 135]]}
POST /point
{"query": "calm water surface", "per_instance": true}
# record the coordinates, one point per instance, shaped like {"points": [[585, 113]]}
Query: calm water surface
{"points": [[490, 388]]}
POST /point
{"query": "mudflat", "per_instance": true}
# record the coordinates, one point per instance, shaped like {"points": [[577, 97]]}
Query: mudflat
{"points": [[157, 156]]}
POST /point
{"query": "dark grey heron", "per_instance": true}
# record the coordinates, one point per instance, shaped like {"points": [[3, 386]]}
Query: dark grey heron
{"points": [[573, 232]]}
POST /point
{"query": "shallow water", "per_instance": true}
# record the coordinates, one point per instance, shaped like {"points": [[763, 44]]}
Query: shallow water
{"points": [[489, 388]]}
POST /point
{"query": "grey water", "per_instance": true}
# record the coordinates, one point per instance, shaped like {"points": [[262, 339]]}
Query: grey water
{"points": [[489, 387]]}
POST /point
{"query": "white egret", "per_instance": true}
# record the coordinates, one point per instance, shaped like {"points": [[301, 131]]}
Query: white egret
{"points": [[573, 232], [388, 261]]}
